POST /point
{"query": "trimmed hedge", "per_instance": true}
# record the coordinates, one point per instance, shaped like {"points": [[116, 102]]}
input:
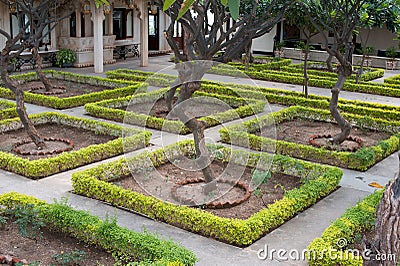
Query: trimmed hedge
{"points": [[318, 81], [7, 109], [393, 80], [122, 89], [371, 74], [243, 135], [284, 97], [148, 248], [36, 169], [107, 109], [354, 221], [318, 181]]}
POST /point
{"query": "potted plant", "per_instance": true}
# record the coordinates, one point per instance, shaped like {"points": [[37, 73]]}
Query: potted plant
{"points": [[391, 53], [278, 47], [65, 58]]}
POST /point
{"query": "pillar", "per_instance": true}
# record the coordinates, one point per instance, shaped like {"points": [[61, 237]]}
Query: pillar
{"points": [[98, 16], [78, 22], [144, 35]]}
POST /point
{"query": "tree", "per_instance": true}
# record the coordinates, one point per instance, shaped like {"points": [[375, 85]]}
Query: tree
{"points": [[295, 15], [206, 34], [376, 15], [387, 227], [40, 15], [340, 17]]}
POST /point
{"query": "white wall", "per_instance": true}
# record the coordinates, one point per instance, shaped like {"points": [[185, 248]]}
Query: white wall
{"points": [[4, 23], [265, 43], [380, 39]]}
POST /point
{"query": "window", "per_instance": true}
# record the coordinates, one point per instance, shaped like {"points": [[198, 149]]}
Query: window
{"points": [[20, 20], [123, 23]]}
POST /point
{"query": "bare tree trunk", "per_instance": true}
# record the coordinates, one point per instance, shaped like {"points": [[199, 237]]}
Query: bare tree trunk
{"points": [[364, 50], [38, 68], [197, 127], [19, 97], [387, 227], [329, 63], [333, 106], [305, 67]]}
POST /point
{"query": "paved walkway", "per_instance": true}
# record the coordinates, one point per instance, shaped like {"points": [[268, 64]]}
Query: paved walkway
{"points": [[295, 234]]}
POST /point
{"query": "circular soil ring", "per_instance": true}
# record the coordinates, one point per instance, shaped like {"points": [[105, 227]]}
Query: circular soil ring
{"points": [[54, 91], [217, 203], [359, 142], [53, 146]]}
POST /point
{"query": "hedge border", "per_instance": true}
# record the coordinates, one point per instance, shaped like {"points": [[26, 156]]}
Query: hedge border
{"points": [[36, 169], [122, 88], [319, 181], [317, 81], [393, 80], [105, 234], [241, 134], [105, 109], [7, 110], [355, 220], [284, 97]]}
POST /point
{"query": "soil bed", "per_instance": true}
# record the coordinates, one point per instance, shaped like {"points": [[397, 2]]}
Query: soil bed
{"points": [[50, 244], [300, 131], [69, 88], [192, 108], [267, 193], [81, 138]]}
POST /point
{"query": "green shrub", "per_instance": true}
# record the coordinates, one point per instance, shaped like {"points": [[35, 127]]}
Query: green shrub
{"points": [[354, 221], [7, 110], [319, 181], [68, 160], [121, 89], [105, 234], [243, 135]]}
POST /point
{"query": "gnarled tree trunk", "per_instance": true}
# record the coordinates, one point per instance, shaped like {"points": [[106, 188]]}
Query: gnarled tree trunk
{"points": [[344, 125], [19, 97], [386, 242], [38, 67]]}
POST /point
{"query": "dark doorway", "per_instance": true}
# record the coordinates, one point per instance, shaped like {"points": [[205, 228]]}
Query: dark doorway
{"points": [[154, 41]]}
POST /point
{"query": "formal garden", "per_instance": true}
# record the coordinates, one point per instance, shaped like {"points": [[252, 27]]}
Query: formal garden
{"points": [[197, 163]]}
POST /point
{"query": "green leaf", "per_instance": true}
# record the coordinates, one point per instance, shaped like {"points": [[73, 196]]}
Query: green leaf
{"points": [[234, 8], [168, 4], [224, 2], [184, 8]]}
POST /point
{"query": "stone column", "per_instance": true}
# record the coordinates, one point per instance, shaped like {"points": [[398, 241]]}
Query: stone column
{"points": [[110, 22], [98, 16], [78, 22], [144, 35]]}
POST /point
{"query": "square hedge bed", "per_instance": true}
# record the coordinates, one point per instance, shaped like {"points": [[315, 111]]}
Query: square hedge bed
{"points": [[7, 109], [149, 249], [121, 89], [35, 169], [356, 220], [108, 109], [319, 181], [273, 95], [244, 135]]}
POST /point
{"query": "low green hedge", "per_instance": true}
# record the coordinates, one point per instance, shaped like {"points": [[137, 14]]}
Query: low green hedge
{"points": [[271, 64], [354, 221], [318, 180], [148, 248], [160, 80], [122, 89], [290, 98], [36, 169], [368, 75], [316, 81], [7, 109], [243, 135], [393, 80], [107, 109], [285, 97]]}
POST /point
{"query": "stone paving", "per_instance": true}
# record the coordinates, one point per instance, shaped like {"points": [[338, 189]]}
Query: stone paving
{"points": [[295, 234]]}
